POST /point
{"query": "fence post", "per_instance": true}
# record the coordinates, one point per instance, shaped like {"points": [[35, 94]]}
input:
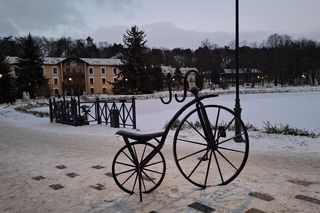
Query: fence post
{"points": [[134, 113], [98, 111], [123, 114], [51, 111], [74, 111]]}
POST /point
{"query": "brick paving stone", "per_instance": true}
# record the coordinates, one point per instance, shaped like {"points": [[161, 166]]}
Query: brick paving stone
{"points": [[200, 207], [261, 196], [109, 174], [253, 210], [98, 187], [72, 174], [301, 182], [61, 166], [56, 186], [97, 167], [308, 199], [38, 178]]}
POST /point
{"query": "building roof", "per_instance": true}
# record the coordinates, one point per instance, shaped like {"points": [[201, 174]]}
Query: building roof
{"points": [[242, 71], [169, 69], [57, 60]]}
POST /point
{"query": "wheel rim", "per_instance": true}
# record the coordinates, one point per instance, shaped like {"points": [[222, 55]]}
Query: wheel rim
{"points": [[132, 177], [206, 164]]}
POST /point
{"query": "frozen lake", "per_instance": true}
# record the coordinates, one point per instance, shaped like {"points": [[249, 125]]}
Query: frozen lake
{"points": [[299, 110]]}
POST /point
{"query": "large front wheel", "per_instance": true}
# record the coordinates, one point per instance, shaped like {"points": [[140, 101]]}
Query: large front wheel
{"points": [[211, 146]]}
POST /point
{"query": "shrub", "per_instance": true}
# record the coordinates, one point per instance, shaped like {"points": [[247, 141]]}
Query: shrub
{"points": [[287, 130]]}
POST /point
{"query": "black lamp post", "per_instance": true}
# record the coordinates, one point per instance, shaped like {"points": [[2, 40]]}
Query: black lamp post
{"points": [[1, 88], [237, 109]]}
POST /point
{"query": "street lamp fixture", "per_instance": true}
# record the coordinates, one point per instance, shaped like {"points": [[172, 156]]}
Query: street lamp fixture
{"points": [[69, 79]]}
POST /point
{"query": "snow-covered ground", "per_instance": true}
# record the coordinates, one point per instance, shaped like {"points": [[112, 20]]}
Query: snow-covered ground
{"points": [[31, 146]]}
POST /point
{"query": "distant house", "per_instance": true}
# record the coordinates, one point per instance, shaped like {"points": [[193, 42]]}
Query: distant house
{"points": [[228, 76], [168, 70], [74, 75]]}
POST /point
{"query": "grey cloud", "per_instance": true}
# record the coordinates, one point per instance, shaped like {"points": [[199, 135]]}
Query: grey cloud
{"points": [[167, 35], [119, 5], [38, 15], [112, 34]]}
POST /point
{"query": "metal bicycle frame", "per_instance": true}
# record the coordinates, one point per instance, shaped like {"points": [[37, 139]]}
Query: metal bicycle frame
{"points": [[204, 122]]}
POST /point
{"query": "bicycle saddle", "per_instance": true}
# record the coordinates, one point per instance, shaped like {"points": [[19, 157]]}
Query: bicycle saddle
{"points": [[139, 136]]}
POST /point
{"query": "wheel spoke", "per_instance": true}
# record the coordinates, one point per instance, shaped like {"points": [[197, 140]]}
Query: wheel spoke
{"points": [[128, 178], [230, 123], [150, 170], [188, 141], [230, 138], [130, 170], [196, 130], [227, 160], [144, 185], [135, 182], [232, 150], [192, 154], [135, 153], [128, 156], [153, 163], [208, 169], [144, 149], [216, 125], [149, 177], [125, 164], [198, 164], [218, 165]]}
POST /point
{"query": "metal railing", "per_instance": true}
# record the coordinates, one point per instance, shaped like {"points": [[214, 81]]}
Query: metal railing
{"points": [[116, 113]]}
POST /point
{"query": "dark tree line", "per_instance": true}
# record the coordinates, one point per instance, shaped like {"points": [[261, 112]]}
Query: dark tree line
{"points": [[281, 59]]}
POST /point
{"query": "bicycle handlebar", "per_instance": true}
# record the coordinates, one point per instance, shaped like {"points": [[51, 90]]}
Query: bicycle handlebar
{"points": [[184, 79]]}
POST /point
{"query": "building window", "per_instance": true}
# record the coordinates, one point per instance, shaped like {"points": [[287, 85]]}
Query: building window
{"points": [[103, 80], [92, 90], [90, 70], [56, 91], [104, 90], [54, 70], [91, 80], [55, 81], [103, 70], [114, 71], [115, 80]]}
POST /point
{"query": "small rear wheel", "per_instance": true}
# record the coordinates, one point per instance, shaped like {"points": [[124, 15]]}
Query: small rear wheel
{"points": [[133, 177], [214, 155]]}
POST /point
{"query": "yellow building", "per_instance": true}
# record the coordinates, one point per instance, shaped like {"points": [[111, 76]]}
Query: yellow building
{"points": [[73, 75]]}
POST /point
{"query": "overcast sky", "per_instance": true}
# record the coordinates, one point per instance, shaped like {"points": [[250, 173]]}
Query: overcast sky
{"points": [[167, 23]]}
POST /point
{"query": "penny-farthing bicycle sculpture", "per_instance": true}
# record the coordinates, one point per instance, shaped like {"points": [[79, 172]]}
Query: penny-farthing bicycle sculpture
{"points": [[207, 149]]}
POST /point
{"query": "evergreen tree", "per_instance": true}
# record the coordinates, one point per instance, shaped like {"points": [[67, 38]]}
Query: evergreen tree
{"points": [[134, 76], [29, 70], [7, 82]]}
